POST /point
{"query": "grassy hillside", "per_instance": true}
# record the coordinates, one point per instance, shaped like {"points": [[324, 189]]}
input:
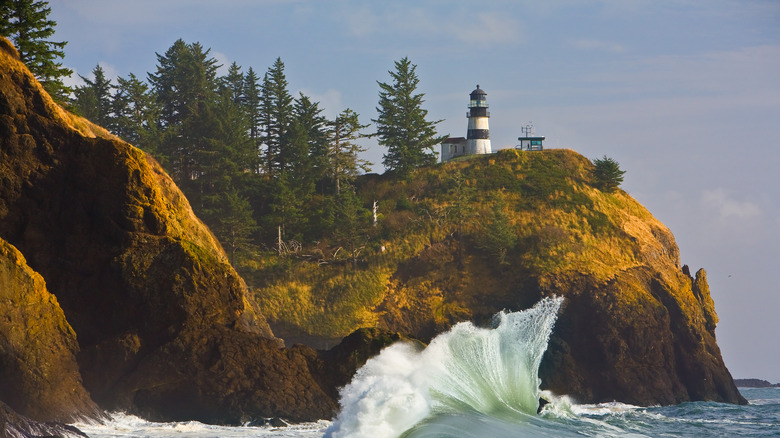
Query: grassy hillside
{"points": [[458, 241]]}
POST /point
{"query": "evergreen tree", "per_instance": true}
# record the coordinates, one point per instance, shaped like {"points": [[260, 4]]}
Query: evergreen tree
{"points": [[499, 236], [252, 108], [608, 174], [185, 76], [304, 153], [185, 85], [167, 82], [232, 223], [93, 100], [343, 151], [231, 133], [351, 228], [233, 84], [220, 149], [460, 210], [25, 22], [277, 112], [402, 126], [135, 114], [288, 208]]}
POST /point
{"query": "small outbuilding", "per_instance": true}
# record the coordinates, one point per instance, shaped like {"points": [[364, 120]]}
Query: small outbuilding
{"points": [[529, 141], [453, 147]]}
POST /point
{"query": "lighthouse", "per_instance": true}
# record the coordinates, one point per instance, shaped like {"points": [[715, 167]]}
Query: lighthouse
{"points": [[478, 135], [477, 139]]}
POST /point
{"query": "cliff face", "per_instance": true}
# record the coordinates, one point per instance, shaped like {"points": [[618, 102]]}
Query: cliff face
{"points": [[464, 240], [40, 376], [163, 322]]}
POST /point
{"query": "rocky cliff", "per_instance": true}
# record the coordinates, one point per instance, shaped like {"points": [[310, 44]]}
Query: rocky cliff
{"points": [[164, 324]]}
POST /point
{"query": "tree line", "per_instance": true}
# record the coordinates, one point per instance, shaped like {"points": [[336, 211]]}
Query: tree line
{"points": [[259, 165], [262, 168]]}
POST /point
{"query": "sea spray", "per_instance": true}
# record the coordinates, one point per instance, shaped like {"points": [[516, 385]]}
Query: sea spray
{"points": [[485, 373]]}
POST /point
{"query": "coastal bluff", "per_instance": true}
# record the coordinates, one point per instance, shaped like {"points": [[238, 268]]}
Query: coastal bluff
{"points": [[466, 239]]}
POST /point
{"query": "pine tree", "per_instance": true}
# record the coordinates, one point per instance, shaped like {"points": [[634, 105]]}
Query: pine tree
{"points": [[185, 76], [402, 126], [304, 153], [460, 210], [221, 151], [185, 85], [344, 161], [233, 84], [277, 112], [135, 114], [351, 229], [25, 22], [230, 132], [93, 100], [288, 208], [252, 108], [608, 174], [233, 225], [499, 236]]}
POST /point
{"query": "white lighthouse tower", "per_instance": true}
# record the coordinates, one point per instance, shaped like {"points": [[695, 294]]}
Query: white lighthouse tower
{"points": [[478, 135]]}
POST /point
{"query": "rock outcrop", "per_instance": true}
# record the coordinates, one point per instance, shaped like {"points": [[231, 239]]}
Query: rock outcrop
{"points": [[13, 425], [164, 324], [755, 383], [39, 376], [640, 338]]}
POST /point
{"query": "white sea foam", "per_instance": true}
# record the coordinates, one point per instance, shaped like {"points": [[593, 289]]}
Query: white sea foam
{"points": [[124, 425], [610, 408]]}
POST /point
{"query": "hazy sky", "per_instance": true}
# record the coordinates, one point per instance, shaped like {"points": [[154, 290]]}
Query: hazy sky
{"points": [[684, 94]]}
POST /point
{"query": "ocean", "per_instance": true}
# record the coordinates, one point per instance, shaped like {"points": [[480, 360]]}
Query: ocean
{"points": [[481, 382]]}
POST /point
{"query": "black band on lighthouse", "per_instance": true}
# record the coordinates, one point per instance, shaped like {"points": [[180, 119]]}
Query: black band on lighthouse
{"points": [[478, 134]]}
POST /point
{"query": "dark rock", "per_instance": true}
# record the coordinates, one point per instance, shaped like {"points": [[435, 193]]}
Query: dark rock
{"points": [[13, 425], [219, 376], [339, 364], [755, 383], [39, 376], [640, 339], [542, 404]]}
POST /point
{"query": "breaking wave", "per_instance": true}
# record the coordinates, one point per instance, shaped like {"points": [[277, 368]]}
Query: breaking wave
{"points": [[468, 379]]}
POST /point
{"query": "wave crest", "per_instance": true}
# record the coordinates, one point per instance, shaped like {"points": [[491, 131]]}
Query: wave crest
{"points": [[489, 372]]}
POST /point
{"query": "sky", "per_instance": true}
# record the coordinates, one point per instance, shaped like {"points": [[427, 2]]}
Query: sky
{"points": [[684, 94]]}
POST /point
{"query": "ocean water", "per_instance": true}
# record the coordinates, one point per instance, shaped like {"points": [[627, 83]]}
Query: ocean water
{"points": [[481, 382]]}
